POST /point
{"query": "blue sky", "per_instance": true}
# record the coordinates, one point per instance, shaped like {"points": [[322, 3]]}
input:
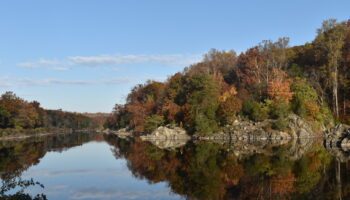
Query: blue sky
{"points": [[86, 55]]}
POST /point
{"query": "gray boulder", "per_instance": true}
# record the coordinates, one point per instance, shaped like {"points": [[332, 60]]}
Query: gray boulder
{"points": [[165, 133], [299, 127]]}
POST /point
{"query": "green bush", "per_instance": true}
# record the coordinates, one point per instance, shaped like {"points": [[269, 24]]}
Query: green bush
{"points": [[279, 109], [303, 92], [5, 118], [295, 71], [280, 124], [256, 111], [305, 103], [203, 104], [299, 107], [153, 122]]}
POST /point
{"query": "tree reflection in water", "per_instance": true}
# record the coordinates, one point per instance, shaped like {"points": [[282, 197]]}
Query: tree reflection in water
{"points": [[200, 170], [17, 156], [207, 170], [14, 189]]}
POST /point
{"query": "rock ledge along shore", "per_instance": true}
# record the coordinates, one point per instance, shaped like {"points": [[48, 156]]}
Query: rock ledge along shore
{"points": [[239, 130]]}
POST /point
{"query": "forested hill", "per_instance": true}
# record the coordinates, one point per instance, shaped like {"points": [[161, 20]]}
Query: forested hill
{"points": [[17, 113], [269, 80]]}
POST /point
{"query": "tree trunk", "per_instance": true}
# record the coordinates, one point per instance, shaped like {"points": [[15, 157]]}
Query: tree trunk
{"points": [[338, 178], [335, 90]]}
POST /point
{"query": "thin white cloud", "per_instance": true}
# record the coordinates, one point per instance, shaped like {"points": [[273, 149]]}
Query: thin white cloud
{"points": [[59, 68], [100, 172], [97, 193], [169, 59], [4, 82], [7, 82], [43, 82], [54, 65], [42, 62], [27, 64], [112, 60]]}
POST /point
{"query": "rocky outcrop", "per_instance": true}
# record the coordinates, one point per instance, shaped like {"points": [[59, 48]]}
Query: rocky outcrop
{"points": [[122, 133], [239, 130], [295, 149], [167, 137], [168, 143], [341, 154], [299, 127], [339, 136], [337, 142], [167, 133], [301, 146], [249, 130]]}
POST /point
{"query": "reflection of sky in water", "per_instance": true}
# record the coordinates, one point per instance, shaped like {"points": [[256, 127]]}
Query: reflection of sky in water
{"points": [[92, 172]]}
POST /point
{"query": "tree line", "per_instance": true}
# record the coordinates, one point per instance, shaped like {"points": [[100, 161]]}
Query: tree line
{"points": [[268, 81], [18, 113]]}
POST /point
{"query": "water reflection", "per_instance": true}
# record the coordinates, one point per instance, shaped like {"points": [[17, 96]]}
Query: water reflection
{"points": [[71, 167], [240, 170], [18, 156], [19, 186]]}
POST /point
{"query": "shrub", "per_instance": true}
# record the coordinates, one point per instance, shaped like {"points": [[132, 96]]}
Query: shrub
{"points": [[304, 99], [153, 122], [280, 124], [256, 111], [203, 104], [5, 117], [295, 71], [279, 109], [305, 103]]}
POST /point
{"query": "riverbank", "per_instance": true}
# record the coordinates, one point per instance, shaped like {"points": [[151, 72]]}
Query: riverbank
{"points": [[20, 134], [297, 128]]}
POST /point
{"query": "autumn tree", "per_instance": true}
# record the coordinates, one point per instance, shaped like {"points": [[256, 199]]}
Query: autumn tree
{"points": [[279, 87], [229, 106], [330, 39]]}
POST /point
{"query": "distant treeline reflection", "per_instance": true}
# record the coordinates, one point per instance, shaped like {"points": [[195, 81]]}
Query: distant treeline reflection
{"points": [[18, 156]]}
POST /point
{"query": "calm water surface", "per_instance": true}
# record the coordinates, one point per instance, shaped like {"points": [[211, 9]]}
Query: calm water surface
{"points": [[92, 166]]}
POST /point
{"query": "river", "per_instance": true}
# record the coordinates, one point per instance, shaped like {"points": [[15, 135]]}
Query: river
{"points": [[93, 166]]}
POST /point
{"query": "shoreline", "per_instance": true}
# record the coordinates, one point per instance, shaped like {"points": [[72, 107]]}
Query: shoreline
{"points": [[25, 134]]}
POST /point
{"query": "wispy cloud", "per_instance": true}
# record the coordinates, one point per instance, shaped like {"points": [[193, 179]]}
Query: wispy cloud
{"points": [[112, 60], [169, 59], [4, 82], [44, 63], [97, 193], [100, 172], [59, 68], [7, 82]]}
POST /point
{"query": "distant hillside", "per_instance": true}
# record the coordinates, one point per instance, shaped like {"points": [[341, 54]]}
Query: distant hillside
{"points": [[98, 118], [18, 113]]}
